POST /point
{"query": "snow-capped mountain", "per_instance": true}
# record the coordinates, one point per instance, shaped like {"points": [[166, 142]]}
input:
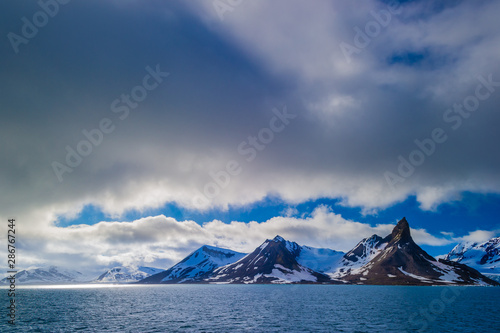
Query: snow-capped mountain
{"points": [[359, 256], [275, 261], [48, 275], [126, 274], [196, 266], [397, 259], [485, 257]]}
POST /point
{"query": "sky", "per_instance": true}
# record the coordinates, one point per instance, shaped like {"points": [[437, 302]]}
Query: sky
{"points": [[134, 132]]}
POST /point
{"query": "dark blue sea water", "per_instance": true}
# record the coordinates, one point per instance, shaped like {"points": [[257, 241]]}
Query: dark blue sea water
{"points": [[256, 308]]}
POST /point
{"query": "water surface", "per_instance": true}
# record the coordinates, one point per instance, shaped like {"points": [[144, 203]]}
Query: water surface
{"points": [[256, 308]]}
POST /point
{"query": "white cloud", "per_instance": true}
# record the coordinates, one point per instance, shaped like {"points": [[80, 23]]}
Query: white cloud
{"points": [[431, 197], [478, 236], [289, 212]]}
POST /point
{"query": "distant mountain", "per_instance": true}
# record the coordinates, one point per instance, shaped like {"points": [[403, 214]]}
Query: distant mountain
{"points": [[398, 260], [48, 275], [126, 274], [275, 261], [485, 257], [196, 266]]}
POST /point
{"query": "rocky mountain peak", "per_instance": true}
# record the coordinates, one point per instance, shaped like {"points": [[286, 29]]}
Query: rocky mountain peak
{"points": [[278, 239], [401, 232]]}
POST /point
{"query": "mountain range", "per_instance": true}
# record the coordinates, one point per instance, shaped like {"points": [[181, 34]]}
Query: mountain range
{"points": [[58, 275], [392, 260], [48, 275]]}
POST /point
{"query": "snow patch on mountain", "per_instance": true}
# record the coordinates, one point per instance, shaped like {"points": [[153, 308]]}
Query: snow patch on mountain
{"points": [[285, 275], [421, 278], [449, 275]]}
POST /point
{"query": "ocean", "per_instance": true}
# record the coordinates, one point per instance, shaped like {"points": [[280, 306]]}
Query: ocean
{"points": [[254, 308]]}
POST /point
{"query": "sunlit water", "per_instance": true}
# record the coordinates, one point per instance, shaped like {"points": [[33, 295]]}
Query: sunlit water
{"points": [[255, 308]]}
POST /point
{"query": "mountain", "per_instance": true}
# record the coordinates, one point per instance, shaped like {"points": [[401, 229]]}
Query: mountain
{"points": [[485, 257], [359, 256], [398, 260], [196, 266], [48, 275], [126, 274], [275, 261]]}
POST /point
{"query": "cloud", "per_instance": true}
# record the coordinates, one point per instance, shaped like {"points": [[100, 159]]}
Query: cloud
{"points": [[290, 211], [478, 236], [192, 124], [397, 103]]}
